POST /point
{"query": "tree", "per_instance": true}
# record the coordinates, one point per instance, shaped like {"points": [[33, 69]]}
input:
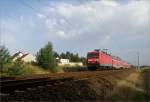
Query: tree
{"points": [[4, 56], [63, 55], [68, 55], [18, 68], [83, 60], [72, 57], [45, 57], [56, 54]]}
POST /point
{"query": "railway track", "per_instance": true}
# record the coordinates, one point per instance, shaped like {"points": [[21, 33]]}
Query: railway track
{"points": [[70, 86], [10, 85]]}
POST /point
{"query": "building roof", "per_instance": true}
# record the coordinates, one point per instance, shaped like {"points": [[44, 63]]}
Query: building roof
{"points": [[23, 56], [20, 57], [16, 54]]}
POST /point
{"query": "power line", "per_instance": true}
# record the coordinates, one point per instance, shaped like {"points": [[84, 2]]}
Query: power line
{"points": [[29, 6], [90, 12], [37, 11]]}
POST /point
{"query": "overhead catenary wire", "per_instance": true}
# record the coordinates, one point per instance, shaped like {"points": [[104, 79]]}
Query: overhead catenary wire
{"points": [[97, 19], [89, 12], [39, 12]]}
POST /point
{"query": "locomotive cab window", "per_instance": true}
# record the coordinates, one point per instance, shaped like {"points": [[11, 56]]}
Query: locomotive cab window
{"points": [[93, 55]]}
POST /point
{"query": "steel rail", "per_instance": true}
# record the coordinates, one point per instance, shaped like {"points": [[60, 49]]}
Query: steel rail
{"points": [[12, 85]]}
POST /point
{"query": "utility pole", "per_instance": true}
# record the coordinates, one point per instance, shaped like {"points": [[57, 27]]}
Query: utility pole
{"points": [[105, 50], [138, 67]]}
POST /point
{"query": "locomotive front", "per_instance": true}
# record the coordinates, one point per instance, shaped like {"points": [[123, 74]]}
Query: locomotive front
{"points": [[93, 60]]}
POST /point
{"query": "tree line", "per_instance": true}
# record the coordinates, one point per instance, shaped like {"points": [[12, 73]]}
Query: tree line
{"points": [[45, 58], [71, 56]]}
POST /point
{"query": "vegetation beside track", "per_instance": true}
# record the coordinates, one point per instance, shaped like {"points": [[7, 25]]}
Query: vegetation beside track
{"points": [[73, 68], [107, 85], [13, 69], [45, 62], [135, 87]]}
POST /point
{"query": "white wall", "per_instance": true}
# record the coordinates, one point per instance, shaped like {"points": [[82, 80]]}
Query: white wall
{"points": [[71, 64], [18, 56], [64, 61], [29, 58]]}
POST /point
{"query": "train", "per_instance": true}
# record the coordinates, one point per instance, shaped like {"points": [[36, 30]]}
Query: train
{"points": [[101, 59]]}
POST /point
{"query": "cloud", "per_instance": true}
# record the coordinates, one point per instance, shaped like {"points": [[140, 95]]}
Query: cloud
{"points": [[101, 24], [41, 15], [98, 15], [61, 34], [83, 26], [21, 34]]}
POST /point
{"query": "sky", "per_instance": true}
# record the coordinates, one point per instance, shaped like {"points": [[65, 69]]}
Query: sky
{"points": [[78, 26]]}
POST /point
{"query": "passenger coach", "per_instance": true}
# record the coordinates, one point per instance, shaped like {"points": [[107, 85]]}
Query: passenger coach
{"points": [[100, 59]]}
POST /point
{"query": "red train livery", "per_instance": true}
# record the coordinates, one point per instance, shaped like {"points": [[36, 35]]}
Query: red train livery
{"points": [[101, 59]]}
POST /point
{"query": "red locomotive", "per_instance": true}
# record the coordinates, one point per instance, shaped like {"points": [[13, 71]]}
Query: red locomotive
{"points": [[99, 58]]}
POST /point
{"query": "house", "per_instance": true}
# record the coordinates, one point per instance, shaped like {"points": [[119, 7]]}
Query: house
{"points": [[17, 55], [26, 57], [63, 62], [75, 64]]}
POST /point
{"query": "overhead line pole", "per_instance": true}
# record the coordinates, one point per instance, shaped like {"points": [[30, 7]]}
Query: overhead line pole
{"points": [[138, 58]]}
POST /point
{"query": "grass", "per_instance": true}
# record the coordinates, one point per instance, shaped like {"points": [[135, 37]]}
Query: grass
{"points": [[32, 69], [27, 69], [57, 69], [134, 88], [67, 68]]}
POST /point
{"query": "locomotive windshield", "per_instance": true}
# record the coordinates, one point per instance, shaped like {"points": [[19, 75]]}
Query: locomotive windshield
{"points": [[92, 55]]}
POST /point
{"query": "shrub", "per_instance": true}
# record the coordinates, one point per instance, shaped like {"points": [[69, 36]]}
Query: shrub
{"points": [[45, 58], [17, 68], [57, 69], [4, 57]]}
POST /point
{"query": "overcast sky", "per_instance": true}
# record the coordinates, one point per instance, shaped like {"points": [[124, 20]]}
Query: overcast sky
{"points": [[78, 26]]}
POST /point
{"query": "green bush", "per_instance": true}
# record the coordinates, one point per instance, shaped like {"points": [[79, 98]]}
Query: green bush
{"points": [[45, 58], [18, 68], [4, 57], [57, 69]]}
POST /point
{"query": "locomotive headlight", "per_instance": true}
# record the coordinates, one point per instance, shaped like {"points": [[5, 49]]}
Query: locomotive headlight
{"points": [[97, 60]]}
